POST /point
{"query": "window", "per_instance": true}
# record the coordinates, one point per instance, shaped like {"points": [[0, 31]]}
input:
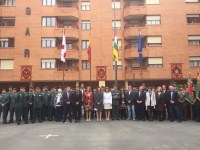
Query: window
{"points": [[119, 43], [194, 40], [152, 19], [48, 2], [119, 65], [152, 1], [135, 63], [7, 21], [48, 42], [85, 44], [48, 63], [69, 46], [192, 1], [194, 61], [116, 24], [85, 6], [155, 62], [48, 21], [85, 64], [193, 18], [85, 25], [116, 4], [5, 43], [6, 64], [154, 41], [8, 2]]}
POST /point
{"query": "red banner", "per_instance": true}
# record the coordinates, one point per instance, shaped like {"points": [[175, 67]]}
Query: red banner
{"points": [[176, 71], [26, 73], [101, 72]]}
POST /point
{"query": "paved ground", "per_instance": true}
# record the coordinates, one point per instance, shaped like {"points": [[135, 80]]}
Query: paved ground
{"points": [[112, 135]]}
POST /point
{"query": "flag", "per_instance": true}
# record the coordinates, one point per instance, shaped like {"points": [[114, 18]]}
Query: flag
{"points": [[190, 87], [89, 49], [115, 49], [64, 47], [140, 48], [140, 43]]}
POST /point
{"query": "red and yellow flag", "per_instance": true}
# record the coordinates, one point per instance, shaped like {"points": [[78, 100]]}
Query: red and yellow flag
{"points": [[89, 49]]}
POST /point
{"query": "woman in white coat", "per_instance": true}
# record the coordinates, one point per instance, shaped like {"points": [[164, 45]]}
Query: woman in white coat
{"points": [[150, 103], [107, 101]]}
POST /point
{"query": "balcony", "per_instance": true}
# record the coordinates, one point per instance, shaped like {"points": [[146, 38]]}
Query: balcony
{"points": [[132, 52], [71, 33], [71, 73], [130, 11], [70, 54], [67, 8], [131, 74], [132, 31]]}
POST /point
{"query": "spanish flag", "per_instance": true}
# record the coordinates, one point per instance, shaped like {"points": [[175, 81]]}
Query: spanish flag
{"points": [[89, 49], [115, 49]]}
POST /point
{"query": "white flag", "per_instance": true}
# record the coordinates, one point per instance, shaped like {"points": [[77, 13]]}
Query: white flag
{"points": [[63, 50]]}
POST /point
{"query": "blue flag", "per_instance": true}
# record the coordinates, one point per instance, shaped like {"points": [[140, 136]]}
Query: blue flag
{"points": [[140, 58], [140, 44]]}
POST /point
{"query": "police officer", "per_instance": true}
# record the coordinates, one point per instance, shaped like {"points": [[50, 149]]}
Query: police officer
{"points": [[13, 98], [25, 105], [115, 103], [4, 102], [37, 105], [51, 104], [46, 103], [18, 105], [30, 102]]}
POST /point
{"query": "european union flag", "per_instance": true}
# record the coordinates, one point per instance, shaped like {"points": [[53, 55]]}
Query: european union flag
{"points": [[140, 43]]}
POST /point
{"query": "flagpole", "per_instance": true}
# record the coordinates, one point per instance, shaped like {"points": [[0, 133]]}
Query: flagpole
{"points": [[114, 39], [63, 81]]}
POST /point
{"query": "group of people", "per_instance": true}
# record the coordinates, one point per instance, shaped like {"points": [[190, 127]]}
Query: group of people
{"points": [[64, 105]]}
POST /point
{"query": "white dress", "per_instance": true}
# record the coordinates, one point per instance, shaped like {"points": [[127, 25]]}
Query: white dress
{"points": [[107, 100]]}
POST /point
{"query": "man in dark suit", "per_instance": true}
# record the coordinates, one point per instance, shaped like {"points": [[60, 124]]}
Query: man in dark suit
{"points": [[172, 100], [67, 104], [130, 100], [76, 104], [140, 104]]}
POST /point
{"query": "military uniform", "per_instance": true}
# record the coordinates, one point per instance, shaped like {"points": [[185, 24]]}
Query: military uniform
{"points": [[183, 105], [25, 107], [18, 106], [51, 105], [46, 105], [13, 99], [37, 106], [30, 104], [115, 104], [4, 102]]}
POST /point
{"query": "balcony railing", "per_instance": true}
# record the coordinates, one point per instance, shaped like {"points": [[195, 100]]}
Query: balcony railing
{"points": [[68, 68], [134, 25], [134, 46], [64, 4], [135, 67], [7, 22], [66, 26], [135, 3]]}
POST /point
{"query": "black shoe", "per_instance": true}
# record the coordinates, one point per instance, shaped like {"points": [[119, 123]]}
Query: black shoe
{"points": [[10, 121], [113, 118], [26, 122], [5, 122], [18, 123], [118, 119], [70, 121]]}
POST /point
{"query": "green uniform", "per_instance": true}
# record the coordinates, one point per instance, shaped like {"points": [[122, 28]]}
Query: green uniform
{"points": [[25, 107], [51, 105], [115, 104], [4, 102], [37, 106], [30, 104], [19, 106], [13, 100], [46, 105]]}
